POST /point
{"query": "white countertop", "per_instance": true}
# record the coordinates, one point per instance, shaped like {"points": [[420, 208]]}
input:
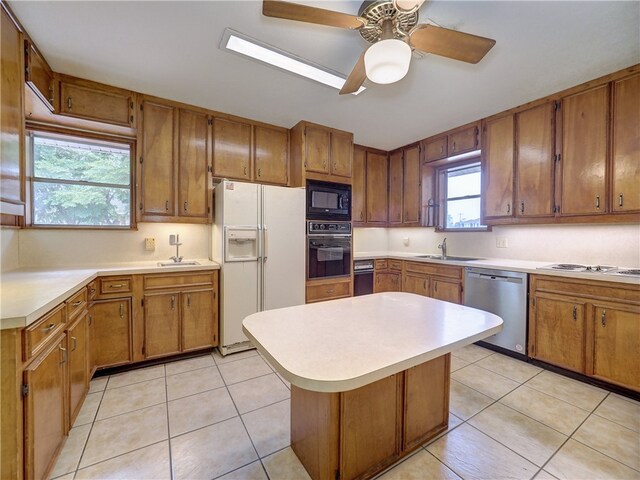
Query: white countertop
{"points": [[28, 293], [525, 266], [340, 345]]}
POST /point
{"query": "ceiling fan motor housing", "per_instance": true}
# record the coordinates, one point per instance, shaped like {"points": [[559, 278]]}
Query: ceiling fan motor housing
{"points": [[376, 12]]}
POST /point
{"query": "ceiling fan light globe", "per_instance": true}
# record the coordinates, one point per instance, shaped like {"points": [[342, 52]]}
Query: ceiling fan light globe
{"points": [[387, 61], [407, 5]]}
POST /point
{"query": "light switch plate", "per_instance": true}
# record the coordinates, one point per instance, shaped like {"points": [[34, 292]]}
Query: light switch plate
{"points": [[150, 244], [501, 242], [405, 241]]}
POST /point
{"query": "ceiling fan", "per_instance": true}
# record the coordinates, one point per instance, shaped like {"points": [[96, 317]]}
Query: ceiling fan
{"points": [[391, 26]]}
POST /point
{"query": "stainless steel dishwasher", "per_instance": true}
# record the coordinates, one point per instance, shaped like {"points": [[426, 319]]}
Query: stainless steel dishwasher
{"points": [[503, 293]]}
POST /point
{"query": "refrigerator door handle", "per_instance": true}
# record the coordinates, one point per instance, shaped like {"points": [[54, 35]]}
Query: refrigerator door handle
{"points": [[265, 249]]}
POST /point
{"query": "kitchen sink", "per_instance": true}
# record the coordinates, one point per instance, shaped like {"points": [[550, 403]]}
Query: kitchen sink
{"points": [[178, 264], [449, 257]]}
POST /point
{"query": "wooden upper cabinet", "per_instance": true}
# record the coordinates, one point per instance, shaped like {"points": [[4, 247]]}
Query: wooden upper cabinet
{"points": [[584, 152], [38, 74], [377, 181], [462, 141], [626, 145], [317, 149], [436, 149], [341, 153], [411, 186], [271, 154], [535, 161], [194, 149], [93, 101], [498, 158], [359, 186], [231, 149], [11, 118], [158, 158], [395, 188]]}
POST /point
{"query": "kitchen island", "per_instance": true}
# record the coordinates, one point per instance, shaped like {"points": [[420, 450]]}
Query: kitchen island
{"points": [[369, 375]]}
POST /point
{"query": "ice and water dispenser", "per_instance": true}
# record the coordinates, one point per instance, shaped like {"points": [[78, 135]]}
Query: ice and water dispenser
{"points": [[240, 244]]}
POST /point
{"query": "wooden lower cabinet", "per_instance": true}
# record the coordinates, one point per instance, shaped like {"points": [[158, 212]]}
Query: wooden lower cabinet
{"points": [[357, 433], [112, 332], [442, 282], [446, 290], [78, 361], [161, 324], [330, 289], [199, 319], [387, 282], [418, 284], [45, 410]]}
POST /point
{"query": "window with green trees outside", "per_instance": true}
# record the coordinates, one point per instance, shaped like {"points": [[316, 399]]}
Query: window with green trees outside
{"points": [[81, 183]]}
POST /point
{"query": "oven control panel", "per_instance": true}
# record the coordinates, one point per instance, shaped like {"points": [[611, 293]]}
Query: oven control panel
{"points": [[329, 228]]}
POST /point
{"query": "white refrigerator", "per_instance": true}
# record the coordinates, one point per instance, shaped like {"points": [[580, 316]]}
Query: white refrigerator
{"points": [[258, 238]]}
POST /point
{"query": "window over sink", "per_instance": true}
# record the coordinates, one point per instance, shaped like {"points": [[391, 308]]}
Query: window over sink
{"points": [[78, 182], [459, 192]]}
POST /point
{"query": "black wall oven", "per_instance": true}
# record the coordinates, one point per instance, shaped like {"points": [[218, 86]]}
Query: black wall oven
{"points": [[328, 201], [328, 250]]}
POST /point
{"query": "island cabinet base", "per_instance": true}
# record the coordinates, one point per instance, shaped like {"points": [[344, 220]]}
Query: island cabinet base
{"points": [[358, 433]]}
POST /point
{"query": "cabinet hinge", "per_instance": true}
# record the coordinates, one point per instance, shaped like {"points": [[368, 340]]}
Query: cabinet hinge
{"points": [[210, 169], [24, 390], [337, 474], [557, 157], [131, 105], [215, 337], [209, 121], [141, 160], [304, 132], [142, 302], [557, 208], [141, 107], [557, 105], [208, 209], [140, 205], [144, 350]]}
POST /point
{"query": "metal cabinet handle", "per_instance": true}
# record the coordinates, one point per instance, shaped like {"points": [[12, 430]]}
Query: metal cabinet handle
{"points": [[454, 147], [435, 287], [116, 285], [361, 216], [75, 304], [173, 302], [64, 354], [508, 208], [188, 301], [259, 171], [92, 291], [121, 310], [186, 206], [49, 327], [75, 343], [620, 200], [575, 313], [597, 201], [69, 104], [330, 290], [166, 205], [245, 171], [441, 148], [521, 207], [603, 318], [425, 284], [90, 320]]}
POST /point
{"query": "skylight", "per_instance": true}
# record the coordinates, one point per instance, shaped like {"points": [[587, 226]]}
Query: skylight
{"points": [[262, 52]]}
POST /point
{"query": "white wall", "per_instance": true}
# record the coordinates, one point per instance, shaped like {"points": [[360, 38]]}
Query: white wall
{"points": [[9, 250], [44, 247], [617, 245]]}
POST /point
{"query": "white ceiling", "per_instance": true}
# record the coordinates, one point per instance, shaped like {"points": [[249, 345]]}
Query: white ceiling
{"points": [[170, 49]]}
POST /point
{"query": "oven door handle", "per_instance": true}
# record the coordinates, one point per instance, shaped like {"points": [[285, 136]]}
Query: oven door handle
{"points": [[331, 235]]}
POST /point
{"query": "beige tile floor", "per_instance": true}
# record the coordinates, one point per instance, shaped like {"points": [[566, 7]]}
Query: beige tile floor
{"points": [[228, 418]]}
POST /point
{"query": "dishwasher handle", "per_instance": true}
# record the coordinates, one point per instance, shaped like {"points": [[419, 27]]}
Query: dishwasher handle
{"points": [[495, 278]]}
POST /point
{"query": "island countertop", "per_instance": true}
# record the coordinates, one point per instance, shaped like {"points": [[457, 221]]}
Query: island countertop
{"points": [[344, 344]]}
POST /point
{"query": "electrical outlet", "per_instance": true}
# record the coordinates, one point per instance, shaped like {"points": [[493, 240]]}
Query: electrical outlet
{"points": [[501, 242], [150, 244]]}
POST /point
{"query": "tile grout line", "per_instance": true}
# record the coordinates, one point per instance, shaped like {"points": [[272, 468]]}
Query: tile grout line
{"points": [[166, 406], [84, 448]]}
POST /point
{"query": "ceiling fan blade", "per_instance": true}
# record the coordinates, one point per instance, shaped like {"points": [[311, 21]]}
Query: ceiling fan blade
{"points": [[356, 78], [450, 43], [304, 13]]}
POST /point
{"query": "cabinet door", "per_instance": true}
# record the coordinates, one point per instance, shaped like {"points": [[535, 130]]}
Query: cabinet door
{"points": [[463, 141], [271, 155], [231, 149], [416, 284], [45, 418], [616, 345], [376, 188], [584, 152], [395, 188], [193, 164], [368, 427], [498, 167], [341, 153], [11, 113], [626, 145], [317, 149], [535, 146], [559, 332], [158, 159], [446, 290], [359, 186], [411, 187], [436, 149], [94, 104], [112, 342], [161, 324], [199, 319], [77, 346], [38, 74]]}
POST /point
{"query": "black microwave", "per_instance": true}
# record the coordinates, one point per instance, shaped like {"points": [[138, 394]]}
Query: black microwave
{"points": [[328, 201]]}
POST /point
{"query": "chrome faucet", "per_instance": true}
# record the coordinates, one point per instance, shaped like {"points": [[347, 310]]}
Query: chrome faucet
{"points": [[443, 246], [175, 240]]}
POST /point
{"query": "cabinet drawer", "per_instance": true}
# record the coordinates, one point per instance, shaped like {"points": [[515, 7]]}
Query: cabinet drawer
{"points": [[381, 264], [35, 336], [434, 269], [395, 265], [92, 290], [154, 282], [76, 303], [328, 291], [115, 285]]}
